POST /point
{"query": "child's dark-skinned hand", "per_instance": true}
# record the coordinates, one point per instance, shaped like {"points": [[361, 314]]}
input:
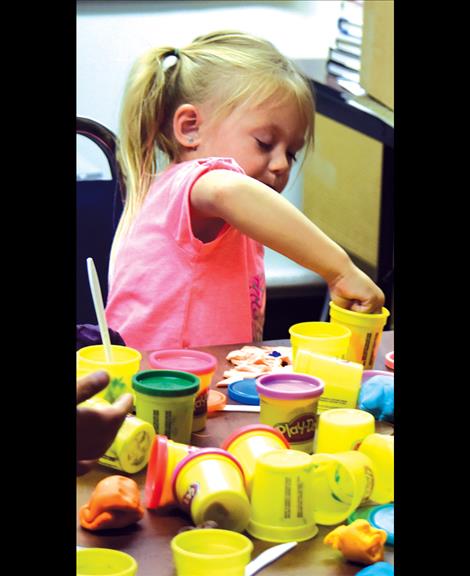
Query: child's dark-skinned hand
{"points": [[96, 428]]}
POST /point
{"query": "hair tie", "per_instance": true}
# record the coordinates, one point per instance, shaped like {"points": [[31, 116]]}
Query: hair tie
{"points": [[171, 58]]}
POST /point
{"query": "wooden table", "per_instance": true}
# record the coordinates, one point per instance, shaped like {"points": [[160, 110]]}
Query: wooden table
{"points": [[149, 540]]}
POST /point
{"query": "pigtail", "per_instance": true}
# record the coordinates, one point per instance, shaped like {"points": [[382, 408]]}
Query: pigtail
{"points": [[143, 115]]}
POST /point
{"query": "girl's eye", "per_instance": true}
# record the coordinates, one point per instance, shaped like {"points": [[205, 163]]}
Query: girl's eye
{"points": [[292, 157], [263, 145]]}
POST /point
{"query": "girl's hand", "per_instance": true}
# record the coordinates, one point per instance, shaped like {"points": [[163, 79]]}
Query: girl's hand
{"points": [[96, 428], [355, 291]]}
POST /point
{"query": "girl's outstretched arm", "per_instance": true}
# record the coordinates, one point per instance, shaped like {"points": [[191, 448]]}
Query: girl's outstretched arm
{"points": [[264, 215]]}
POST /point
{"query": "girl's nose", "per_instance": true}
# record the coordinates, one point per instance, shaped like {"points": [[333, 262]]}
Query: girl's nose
{"points": [[280, 163]]}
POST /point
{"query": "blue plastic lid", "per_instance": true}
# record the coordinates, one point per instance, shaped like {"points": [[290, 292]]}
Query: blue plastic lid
{"points": [[383, 517], [244, 391]]}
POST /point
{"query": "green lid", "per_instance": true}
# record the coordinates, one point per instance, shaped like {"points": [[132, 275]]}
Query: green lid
{"points": [[165, 383]]}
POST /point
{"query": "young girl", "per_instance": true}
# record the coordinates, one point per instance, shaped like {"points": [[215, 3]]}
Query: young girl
{"points": [[231, 114]]}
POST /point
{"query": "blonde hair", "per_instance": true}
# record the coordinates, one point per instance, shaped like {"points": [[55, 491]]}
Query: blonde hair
{"points": [[225, 68]]}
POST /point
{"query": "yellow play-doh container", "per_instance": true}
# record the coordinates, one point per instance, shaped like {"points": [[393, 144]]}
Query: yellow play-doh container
{"points": [[282, 498], [380, 448], [165, 398], [105, 562], [210, 485], [125, 363], [201, 364], [322, 337], [341, 482], [366, 332], [165, 454], [342, 429], [342, 378], [289, 402], [211, 552], [249, 442], [130, 449]]}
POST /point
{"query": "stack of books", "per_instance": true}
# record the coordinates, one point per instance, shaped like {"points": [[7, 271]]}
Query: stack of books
{"points": [[344, 59]]}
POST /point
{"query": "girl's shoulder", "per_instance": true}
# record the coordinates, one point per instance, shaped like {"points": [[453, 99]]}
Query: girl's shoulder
{"points": [[198, 166]]}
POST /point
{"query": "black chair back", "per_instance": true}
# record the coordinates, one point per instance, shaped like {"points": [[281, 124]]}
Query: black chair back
{"points": [[99, 205]]}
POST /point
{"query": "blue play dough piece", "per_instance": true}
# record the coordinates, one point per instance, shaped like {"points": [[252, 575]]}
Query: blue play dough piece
{"points": [[275, 353], [377, 569], [244, 391], [377, 396]]}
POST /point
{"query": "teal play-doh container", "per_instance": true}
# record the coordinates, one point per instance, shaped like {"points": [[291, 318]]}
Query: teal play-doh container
{"points": [[165, 398]]}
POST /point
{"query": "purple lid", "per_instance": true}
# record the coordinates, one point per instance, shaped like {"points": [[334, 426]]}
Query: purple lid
{"points": [[198, 454], [289, 386], [193, 361]]}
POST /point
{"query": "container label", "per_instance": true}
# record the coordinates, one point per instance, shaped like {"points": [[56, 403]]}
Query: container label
{"points": [[200, 404], [299, 429], [189, 495]]}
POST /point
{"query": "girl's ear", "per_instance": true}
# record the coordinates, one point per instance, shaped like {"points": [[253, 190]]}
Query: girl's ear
{"points": [[186, 122]]}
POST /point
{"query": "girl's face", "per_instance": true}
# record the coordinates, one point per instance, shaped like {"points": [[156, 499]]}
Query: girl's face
{"points": [[263, 139]]}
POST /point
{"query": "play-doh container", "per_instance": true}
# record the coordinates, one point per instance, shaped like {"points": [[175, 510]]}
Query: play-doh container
{"points": [[105, 562], [201, 364], [282, 497], [165, 398], [248, 443], [125, 363], [210, 485], [130, 449], [321, 337], [341, 482], [165, 454], [366, 332], [289, 402], [211, 552], [342, 429], [380, 448]]}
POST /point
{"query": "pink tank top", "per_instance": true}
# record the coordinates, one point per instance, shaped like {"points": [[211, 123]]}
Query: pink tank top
{"points": [[168, 289]]}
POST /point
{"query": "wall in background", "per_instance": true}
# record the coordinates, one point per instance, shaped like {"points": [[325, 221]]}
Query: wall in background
{"points": [[111, 35]]}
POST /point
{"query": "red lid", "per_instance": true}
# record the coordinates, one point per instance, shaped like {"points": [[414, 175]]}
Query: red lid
{"points": [[156, 470], [390, 360], [192, 361], [251, 428], [198, 454]]}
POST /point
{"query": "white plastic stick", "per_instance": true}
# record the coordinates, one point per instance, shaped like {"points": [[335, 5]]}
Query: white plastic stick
{"points": [[267, 557], [99, 308]]}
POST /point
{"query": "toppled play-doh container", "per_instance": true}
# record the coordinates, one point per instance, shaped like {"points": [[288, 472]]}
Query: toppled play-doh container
{"points": [[341, 483], [250, 442], [210, 485], [164, 456], [342, 429], [130, 449]]}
